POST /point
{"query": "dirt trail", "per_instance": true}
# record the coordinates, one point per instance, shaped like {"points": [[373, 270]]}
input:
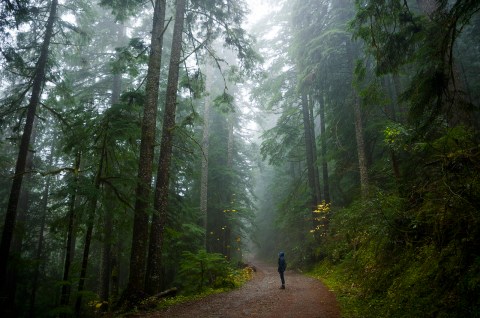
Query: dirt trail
{"points": [[261, 297]]}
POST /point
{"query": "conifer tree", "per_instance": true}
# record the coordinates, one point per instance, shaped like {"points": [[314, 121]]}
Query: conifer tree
{"points": [[154, 270], [37, 86]]}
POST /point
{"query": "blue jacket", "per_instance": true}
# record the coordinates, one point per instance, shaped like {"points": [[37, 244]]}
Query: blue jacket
{"points": [[282, 264]]}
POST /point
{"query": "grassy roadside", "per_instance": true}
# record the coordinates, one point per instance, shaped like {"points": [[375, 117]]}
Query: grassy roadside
{"points": [[337, 281], [412, 288]]}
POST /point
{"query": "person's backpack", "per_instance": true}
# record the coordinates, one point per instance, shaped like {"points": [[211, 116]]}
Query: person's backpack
{"points": [[282, 264]]}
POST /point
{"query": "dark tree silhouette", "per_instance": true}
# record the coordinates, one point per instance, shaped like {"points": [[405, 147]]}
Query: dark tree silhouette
{"points": [[37, 87]]}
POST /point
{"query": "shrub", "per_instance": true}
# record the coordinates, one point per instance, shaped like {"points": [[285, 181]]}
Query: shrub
{"points": [[204, 270]]}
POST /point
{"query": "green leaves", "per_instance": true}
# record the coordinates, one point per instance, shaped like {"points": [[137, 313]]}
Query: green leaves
{"points": [[123, 9], [390, 31], [195, 83], [418, 42], [130, 57], [214, 19], [225, 102], [395, 136], [201, 270]]}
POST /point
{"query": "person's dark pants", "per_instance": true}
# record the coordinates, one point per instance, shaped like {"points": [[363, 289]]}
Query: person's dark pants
{"points": [[282, 277]]}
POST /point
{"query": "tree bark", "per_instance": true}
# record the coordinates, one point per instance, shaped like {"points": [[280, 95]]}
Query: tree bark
{"points": [[323, 136], [39, 251], [116, 266], [359, 137], [154, 271], [22, 217], [227, 236], [92, 207], [205, 148], [106, 267], [309, 153], [318, 191], [358, 121], [136, 282], [37, 86], [70, 244]]}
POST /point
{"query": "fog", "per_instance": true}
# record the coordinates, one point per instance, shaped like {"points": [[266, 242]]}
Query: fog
{"points": [[153, 148]]}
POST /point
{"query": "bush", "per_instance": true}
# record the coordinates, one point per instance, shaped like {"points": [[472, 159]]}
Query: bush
{"points": [[204, 270], [392, 261]]}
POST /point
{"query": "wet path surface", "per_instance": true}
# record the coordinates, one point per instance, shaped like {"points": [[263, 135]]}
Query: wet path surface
{"points": [[261, 297]]}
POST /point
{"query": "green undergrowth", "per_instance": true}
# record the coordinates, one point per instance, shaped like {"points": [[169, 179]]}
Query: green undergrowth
{"points": [[336, 280], [418, 286], [383, 262]]}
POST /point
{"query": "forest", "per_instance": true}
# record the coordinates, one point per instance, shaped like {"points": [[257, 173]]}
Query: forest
{"points": [[152, 147]]}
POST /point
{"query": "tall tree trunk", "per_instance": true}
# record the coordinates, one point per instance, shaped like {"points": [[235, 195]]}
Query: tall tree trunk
{"points": [[39, 251], [70, 243], [136, 282], [309, 152], [106, 264], [230, 143], [323, 136], [19, 233], [359, 137], [10, 217], [318, 191], [116, 262], [154, 270], [205, 148], [114, 271], [92, 207], [106, 267], [227, 237], [359, 134]]}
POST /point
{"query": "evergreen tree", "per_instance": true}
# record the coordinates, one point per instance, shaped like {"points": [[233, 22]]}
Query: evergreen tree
{"points": [[37, 86]]}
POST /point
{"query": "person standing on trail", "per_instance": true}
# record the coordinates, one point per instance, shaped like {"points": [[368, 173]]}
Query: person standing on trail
{"points": [[282, 266]]}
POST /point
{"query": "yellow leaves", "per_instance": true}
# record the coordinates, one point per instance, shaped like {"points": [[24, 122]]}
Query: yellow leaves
{"points": [[322, 207], [232, 202], [391, 134], [317, 228], [320, 217], [97, 304], [242, 276]]}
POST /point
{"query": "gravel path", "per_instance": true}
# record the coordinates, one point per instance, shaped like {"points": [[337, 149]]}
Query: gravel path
{"points": [[261, 297]]}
